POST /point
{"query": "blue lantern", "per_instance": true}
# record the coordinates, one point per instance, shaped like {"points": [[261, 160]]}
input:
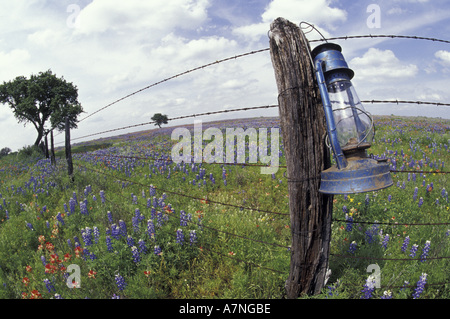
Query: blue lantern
{"points": [[349, 127]]}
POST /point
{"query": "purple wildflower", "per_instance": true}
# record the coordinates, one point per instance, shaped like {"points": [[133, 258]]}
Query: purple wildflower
{"points": [[425, 251], [136, 256], [405, 243], [369, 287], [180, 237], [413, 250], [120, 281], [420, 286]]}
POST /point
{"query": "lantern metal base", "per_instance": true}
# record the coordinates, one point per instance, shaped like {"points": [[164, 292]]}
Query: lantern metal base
{"points": [[361, 175]]}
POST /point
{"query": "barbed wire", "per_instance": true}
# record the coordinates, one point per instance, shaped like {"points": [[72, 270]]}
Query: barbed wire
{"points": [[372, 36], [173, 77], [177, 118], [186, 195], [406, 102], [390, 224], [217, 230], [248, 109]]}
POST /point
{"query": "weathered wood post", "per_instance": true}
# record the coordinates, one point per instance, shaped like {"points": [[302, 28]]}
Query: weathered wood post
{"points": [[303, 127], [46, 145], [52, 149], [68, 150]]}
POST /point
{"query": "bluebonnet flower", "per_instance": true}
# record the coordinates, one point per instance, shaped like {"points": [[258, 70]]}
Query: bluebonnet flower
{"points": [[157, 250], [416, 190], [120, 281], [109, 243], [66, 210], [130, 241], [102, 196], [69, 243], [60, 219], [387, 294], [425, 251], [49, 285], [86, 235], [405, 243], [136, 256], [420, 286], [385, 241], [123, 228], [413, 250], [72, 204], [371, 233], [332, 288], [44, 261], [349, 220], [352, 247], [96, 234], [115, 231], [183, 219], [30, 226], [369, 287], [192, 237], [150, 229], [83, 208], [420, 201], [109, 215], [159, 219], [180, 237], [142, 246], [152, 190], [389, 197]]}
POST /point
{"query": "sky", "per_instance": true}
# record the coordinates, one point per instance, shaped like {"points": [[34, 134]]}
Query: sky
{"points": [[110, 48]]}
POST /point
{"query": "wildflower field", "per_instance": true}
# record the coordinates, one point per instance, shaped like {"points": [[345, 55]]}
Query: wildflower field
{"points": [[133, 224]]}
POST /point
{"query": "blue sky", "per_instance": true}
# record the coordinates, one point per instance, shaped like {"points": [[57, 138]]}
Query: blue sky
{"points": [[110, 48]]}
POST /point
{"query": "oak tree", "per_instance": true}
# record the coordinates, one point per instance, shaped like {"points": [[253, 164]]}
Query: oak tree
{"points": [[40, 99]]}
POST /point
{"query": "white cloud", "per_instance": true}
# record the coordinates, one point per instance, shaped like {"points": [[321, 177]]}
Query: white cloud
{"points": [[156, 16], [380, 66], [318, 12], [443, 56]]}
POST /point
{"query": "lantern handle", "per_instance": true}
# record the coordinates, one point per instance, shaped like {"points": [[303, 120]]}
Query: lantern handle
{"points": [[341, 161]]}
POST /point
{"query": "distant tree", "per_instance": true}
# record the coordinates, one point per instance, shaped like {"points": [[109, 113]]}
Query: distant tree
{"points": [[42, 98], [5, 151], [160, 119]]}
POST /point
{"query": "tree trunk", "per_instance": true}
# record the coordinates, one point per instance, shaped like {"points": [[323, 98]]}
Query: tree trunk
{"points": [[68, 150], [52, 148], [40, 135], [302, 122]]}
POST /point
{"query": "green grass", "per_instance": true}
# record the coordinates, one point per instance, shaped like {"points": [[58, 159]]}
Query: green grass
{"points": [[242, 249]]}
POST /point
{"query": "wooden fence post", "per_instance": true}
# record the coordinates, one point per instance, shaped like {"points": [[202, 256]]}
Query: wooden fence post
{"points": [[68, 150], [46, 144], [303, 127], [52, 149]]}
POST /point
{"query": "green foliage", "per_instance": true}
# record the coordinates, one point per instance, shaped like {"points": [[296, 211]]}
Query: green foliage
{"points": [[241, 249], [42, 98], [160, 119]]}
